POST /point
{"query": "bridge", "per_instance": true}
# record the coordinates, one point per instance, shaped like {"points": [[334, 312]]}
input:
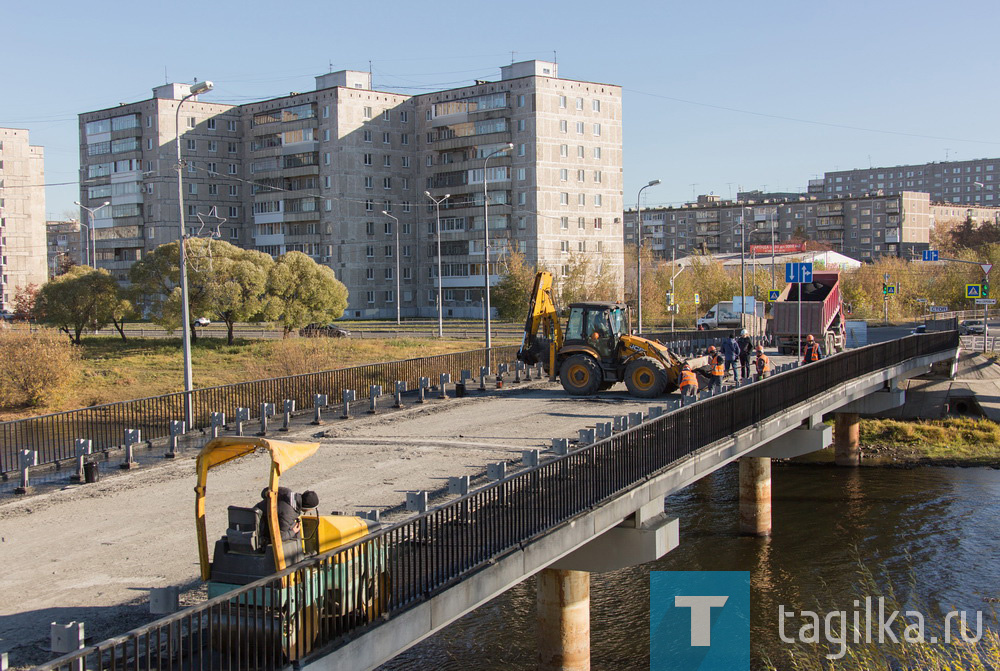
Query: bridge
{"points": [[594, 508]]}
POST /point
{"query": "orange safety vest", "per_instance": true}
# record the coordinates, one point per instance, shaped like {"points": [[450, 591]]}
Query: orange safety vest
{"points": [[689, 379], [718, 365], [763, 364], [812, 352]]}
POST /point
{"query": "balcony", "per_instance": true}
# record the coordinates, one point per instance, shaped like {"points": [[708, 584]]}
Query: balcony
{"points": [[471, 140]]}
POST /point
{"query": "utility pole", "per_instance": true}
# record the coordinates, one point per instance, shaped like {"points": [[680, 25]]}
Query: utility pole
{"points": [[885, 300]]}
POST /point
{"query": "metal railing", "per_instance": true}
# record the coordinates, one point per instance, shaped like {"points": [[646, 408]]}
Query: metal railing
{"points": [[53, 435], [305, 611]]}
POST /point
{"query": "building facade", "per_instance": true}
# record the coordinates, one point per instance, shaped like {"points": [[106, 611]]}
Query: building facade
{"points": [[342, 174], [865, 227], [22, 214], [65, 245], [972, 182]]}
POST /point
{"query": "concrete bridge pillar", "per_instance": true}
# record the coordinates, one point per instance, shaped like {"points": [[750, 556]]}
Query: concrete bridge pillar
{"points": [[755, 496], [563, 620], [846, 439]]}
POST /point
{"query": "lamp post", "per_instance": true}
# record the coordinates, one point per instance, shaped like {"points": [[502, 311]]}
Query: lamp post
{"points": [[91, 237], [398, 297], [196, 89], [437, 206], [638, 254], [486, 245]]}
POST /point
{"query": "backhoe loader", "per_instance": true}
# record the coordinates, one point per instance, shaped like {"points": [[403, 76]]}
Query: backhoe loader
{"points": [[597, 348]]}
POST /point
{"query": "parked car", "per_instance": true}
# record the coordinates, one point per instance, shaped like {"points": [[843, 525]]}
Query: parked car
{"points": [[202, 321], [971, 327], [324, 331]]}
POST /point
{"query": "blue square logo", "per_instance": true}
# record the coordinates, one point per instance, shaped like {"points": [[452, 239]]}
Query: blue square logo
{"points": [[699, 620]]}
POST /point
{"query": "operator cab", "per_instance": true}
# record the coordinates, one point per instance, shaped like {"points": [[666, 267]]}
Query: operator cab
{"points": [[597, 325]]}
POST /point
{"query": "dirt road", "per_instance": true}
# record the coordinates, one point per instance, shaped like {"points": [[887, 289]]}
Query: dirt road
{"points": [[92, 552]]}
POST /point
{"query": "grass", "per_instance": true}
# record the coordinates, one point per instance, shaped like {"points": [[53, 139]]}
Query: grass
{"points": [[111, 370], [973, 442]]}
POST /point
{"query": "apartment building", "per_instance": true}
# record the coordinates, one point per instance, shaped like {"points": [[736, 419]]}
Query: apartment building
{"points": [[64, 243], [864, 227], [971, 182], [22, 214], [340, 173]]}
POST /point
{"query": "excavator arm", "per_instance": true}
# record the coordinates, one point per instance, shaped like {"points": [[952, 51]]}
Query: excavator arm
{"points": [[542, 333]]}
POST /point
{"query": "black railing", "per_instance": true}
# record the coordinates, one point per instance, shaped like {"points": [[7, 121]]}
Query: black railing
{"points": [[306, 611], [53, 436]]}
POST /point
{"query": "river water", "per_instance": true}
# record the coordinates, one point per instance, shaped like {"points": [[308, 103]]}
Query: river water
{"points": [[929, 532]]}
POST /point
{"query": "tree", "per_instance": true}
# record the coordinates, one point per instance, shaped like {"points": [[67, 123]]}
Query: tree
{"points": [[24, 302], [511, 294], [239, 288], [302, 292], [155, 279], [82, 298]]}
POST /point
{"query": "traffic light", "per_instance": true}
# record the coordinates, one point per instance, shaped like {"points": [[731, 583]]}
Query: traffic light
{"points": [[885, 289], [986, 289]]}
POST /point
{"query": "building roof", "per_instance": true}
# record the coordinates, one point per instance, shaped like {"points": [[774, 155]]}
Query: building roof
{"points": [[828, 259]]}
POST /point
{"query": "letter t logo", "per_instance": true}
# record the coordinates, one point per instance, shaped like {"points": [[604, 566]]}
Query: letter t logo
{"points": [[701, 616]]}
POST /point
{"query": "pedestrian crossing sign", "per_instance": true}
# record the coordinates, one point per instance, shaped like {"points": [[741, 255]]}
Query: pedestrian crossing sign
{"points": [[890, 290], [973, 290], [773, 296]]}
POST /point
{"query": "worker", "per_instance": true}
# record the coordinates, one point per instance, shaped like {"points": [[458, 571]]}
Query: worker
{"points": [[716, 369], [599, 332], [731, 350], [746, 349], [290, 506], [689, 381], [762, 363], [812, 351]]}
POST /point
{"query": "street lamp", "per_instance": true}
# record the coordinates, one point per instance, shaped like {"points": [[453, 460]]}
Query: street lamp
{"points": [[91, 236], [437, 205], [486, 244], [398, 297], [196, 89], [638, 254]]}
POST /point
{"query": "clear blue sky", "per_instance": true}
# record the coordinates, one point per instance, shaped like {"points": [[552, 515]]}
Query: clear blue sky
{"points": [[716, 94]]}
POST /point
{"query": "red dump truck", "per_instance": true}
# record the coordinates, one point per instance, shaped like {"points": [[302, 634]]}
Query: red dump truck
{"points": [[822, 314]]}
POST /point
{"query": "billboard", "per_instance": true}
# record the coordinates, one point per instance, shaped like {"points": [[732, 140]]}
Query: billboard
{"points": [[779, 248]]}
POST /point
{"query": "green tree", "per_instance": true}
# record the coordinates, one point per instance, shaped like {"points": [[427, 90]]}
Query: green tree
{"points": [[511, 294], [81, 298], [302, 292], [155, 280], [237, 288]]}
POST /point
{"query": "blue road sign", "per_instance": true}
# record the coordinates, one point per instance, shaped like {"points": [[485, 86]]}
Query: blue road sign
{"points": [[930, 255], [973, 290], [798, 272], [890, 290], [773, 295]]}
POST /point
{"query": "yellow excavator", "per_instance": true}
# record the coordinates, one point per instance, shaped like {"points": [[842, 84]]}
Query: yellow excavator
{"points": [[597, 348]]}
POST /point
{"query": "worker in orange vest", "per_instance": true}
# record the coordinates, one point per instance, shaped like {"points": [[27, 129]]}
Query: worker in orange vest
{"points": [[812, 352], [688, 381], [716, 369], [762, 363]]}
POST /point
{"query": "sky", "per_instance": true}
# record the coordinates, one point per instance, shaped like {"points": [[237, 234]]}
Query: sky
{"points": [[717, 95]]}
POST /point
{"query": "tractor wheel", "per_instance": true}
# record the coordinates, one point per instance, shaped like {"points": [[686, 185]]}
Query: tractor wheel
{"points": [[580, 375], [645, 378]]}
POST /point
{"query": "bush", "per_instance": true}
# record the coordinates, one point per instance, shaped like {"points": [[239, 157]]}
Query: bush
{"points": [[294, 357], [34, 367]]}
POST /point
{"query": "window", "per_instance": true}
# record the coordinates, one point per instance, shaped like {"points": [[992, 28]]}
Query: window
{"points": [[326, 158], [521, 125], [564, 198], [404, 116], [385, 137], [192, 145], [564, 247], [597, 129], [406, 206], [405, 183], [429, 161], [212, 168], [521, 149], [368, 159], [213, 189], [580, 151], [369, 273], [387, 161], [388, 248], [581, 223], [371, 297], [326, 135], [213, 145], [326, 111], [406, 161], [599, 224], [370, 251], [149, 144], [562, 102], [564, 223], [579, 103], [386, 182], [522, 198], [581, 175], [597, 176], [370, 230], [192, 189], [522, 223], [232, 148], [404, 139], [231, 126], [598, 200], [233, 212], [596, 105], [368, 136], [367, 112], [563, 175], [521, 174], [563, 126], [580, 127], [385, 115], [520, 100], [597, 152], [192, 122], [369, 206], [581, 199], [369, 182], [232, 168]]}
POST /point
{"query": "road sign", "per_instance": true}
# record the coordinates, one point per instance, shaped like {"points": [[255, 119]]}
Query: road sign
{"points": [[930, 255], [697, 299], [973, 290], [939, 308], [798, 272], [670, 299], [921, 300], [773, 295], [987, 267], [890, 290], [986, 301]]}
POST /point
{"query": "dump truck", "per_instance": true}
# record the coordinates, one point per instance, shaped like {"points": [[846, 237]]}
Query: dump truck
{"points": [[354, 584], [596, 349], [822, 314]]}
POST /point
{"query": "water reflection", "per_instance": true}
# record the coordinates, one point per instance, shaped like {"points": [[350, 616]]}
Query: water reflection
{"points": [[937, 522]]}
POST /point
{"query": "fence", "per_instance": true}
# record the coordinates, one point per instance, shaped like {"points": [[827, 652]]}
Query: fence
{"points": [[53, 435], [259, 626]]}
